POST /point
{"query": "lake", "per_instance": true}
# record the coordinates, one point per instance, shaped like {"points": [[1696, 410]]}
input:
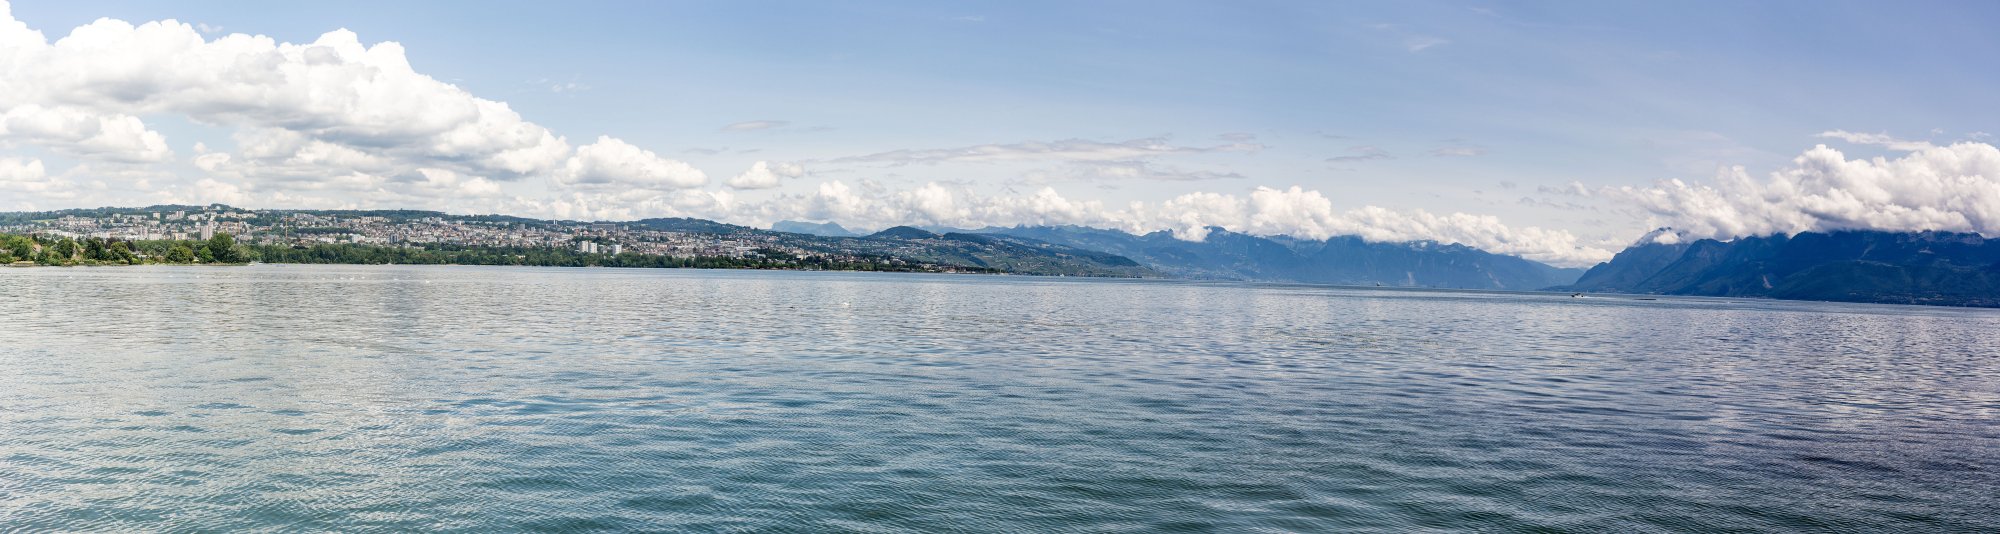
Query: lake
{"points": [[473, 399]]}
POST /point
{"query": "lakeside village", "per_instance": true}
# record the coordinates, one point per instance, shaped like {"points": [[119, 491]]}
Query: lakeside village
{"points": [[218, 234]]}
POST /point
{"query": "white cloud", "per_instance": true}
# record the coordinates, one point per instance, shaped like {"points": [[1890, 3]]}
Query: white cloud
{"points": [[1880, 139], [1954, 188], [25, 183], [613, 164], [79, 132], [1293, 211], [443, 182], [212, 191], [25, 176], [333, 90], [331, 107], [764, 175]]}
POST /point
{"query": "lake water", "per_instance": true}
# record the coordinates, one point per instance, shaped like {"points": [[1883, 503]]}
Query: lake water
{"points": [[354, 398]]}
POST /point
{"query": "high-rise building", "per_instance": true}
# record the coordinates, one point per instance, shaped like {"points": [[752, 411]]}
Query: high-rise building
{"points": [[617, 249], [208, 231]]}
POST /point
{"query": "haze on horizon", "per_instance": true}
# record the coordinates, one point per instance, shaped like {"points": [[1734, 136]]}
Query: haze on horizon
{"points": [[1559, 132]]}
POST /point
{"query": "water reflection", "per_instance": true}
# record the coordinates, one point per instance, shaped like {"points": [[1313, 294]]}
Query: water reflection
{"points": [[354, 398]]}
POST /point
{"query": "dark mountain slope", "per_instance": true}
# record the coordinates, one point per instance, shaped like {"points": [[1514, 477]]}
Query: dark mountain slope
{"points": [[1857, 266], [1341, 260], [904, 232], [819, 229]]}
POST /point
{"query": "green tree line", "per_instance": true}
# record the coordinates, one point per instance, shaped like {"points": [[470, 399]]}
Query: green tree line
{"points": [[223, 249], [51, 250]]}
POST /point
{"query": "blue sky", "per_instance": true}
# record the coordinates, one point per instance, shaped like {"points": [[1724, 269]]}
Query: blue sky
{"points": [[1479, 108]]}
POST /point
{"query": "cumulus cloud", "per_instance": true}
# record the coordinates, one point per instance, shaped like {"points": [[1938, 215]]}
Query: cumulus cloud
{"points": [[1954, 188], [334, 90], [83, 133], [1880, 139], [613, 164], [764, 175], [1293, 211], [1301, 213], [305, 116], [24, 175], [1063, 150], [25, 181]]}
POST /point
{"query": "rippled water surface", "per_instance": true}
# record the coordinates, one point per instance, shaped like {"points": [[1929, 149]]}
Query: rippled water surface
{"points": [[297, 398]]}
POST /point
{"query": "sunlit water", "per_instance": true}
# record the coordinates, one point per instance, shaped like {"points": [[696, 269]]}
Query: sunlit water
{"points": [[290, 398]]}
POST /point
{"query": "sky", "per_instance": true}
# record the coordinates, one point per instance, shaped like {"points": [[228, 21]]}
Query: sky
{"points": [[1557, 131]]}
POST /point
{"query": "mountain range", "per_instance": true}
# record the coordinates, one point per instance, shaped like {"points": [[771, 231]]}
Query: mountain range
{"points": [[1348, 260], [1227, 255], [826, 229], [987, 252], [1942, 268]]}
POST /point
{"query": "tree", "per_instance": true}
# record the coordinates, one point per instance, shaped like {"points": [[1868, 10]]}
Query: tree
{"points": [[65, 250], [121, 251], [93, 249], [18, 246], [222, 249], [180, 254]]}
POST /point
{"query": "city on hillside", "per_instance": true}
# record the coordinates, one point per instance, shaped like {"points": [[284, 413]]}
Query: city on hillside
{"points": [[407, 236], [385, 228]]}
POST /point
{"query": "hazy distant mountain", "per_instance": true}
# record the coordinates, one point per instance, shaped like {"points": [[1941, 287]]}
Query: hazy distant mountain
{"points": [[1904, 268], [1067, 250], [827, 229], [1007, 253], [689, 225], [904, 232], [1341, 260]]}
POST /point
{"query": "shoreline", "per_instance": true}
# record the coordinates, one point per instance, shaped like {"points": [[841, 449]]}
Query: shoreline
{"points": [[1598, 296], [29, 265]]}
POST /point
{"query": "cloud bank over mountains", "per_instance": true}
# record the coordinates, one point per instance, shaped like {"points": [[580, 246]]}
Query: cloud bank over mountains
{"points": [[337, 123], [1954, 188], [1292, 211]]}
